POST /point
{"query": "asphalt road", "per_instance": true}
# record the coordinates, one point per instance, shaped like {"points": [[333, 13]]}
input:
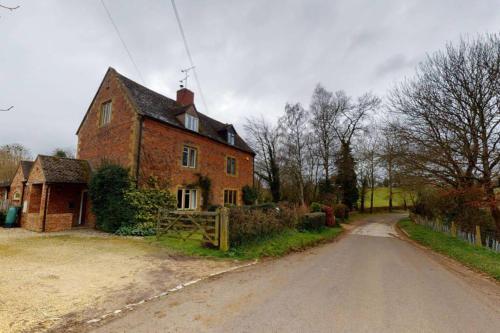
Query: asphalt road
{"points": [[369, 281]]}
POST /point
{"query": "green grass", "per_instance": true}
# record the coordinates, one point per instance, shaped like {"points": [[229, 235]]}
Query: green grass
{"points": [[272, 246], [478, 258], [381, 197]]}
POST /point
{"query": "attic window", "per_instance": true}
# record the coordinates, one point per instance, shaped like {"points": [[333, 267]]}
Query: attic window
{"points": [[191, 123], [105, 116], [230, 138]]}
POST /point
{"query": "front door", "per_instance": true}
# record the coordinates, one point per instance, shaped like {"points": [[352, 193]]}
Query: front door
{"points": [[83, 208]]}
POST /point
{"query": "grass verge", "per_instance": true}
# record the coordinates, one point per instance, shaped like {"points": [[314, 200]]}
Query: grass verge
{"points": [[271, 246], [472, 256]]}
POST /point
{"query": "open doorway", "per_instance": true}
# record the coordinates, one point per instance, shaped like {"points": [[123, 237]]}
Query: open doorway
{"points": [[83, 208]]}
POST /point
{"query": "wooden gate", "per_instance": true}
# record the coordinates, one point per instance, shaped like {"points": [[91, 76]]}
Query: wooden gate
{"points": [[208, 227]]}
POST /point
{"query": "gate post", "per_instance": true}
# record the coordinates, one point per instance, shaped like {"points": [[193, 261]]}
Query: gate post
{"points": [[224, 229], [453, 229], [478, 236]]}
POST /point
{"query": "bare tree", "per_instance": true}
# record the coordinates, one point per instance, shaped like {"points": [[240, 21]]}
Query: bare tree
{"points": [[264, 139], [450, 116], [368, 152], [9, 7], [324, 118], [294, 129], [10, 156]]}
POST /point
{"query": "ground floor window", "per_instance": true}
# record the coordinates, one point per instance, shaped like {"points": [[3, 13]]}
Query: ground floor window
{"points": [[186, 198], [230, 197]]}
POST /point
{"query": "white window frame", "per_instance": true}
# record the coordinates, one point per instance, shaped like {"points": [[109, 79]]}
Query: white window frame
{"points": [[231, 194], [190, 193], [228, 158], [192, 157], [105, 115], [192, 122], [231, 138]]}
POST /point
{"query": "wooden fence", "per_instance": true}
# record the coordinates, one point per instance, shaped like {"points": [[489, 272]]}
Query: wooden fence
{"points": [[475, 237], [211, 226]]}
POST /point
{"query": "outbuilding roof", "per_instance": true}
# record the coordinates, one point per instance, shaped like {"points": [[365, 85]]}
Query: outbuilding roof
{"points": [[64, 170]]}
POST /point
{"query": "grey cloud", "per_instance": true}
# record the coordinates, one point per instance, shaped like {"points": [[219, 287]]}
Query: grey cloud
{"points": [[251, 56], [395, 63]]}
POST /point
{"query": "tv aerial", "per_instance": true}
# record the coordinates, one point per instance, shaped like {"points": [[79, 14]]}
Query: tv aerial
{"points": [[184, 81]]}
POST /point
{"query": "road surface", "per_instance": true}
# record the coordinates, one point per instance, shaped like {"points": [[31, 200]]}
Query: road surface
{"points": [[369, 281]]}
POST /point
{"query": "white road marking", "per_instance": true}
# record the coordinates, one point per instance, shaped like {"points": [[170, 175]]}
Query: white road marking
{"points": [[375, 230]]}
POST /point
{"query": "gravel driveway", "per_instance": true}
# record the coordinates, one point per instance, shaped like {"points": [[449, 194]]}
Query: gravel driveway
{"points": [[53, 279]]}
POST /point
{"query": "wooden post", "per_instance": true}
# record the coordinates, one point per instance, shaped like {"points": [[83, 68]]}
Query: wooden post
{"points": [[224, 229], [453, 229], [478, 236]]}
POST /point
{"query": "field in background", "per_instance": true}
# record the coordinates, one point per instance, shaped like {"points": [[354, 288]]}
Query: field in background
{"points": [[381, 197]]}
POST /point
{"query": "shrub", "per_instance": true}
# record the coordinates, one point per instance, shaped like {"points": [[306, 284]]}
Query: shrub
{"points": [[213, 208], [341, 211], [145, 202], [313, 221], [147, 229], [329, 216], [107, 192], [264, 206], [253, 222], [250, 195], [316, 207]]}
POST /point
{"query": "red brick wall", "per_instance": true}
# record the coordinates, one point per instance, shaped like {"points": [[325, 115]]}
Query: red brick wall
{"points": [[16, 187], [66, 199], [58, 222], [31, 222], [161, 152], [116, 141]]}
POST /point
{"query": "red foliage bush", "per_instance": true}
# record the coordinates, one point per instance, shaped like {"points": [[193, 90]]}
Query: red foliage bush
{"points": [[330, 217]]}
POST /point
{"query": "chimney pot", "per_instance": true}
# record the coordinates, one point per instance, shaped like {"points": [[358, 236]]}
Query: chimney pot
{"points": [[185, 96]]}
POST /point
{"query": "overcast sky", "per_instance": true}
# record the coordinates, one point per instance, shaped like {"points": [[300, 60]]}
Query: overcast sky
{"points": [[251, 56]]}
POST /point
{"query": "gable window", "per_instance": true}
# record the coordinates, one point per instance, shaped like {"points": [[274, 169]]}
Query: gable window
{"points": [[191, 122], [186, 199], [230, 138], [189, 155], [105, 116], [230, 197], [231, 165]]}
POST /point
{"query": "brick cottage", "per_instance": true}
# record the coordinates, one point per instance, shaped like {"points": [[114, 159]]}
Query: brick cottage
{"points": [[155, 137]]}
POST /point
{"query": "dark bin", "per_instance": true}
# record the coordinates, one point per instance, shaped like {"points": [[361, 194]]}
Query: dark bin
{"points": [[10, 220]]}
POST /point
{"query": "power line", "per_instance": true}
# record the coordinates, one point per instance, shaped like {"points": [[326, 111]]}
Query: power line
{"points": [[122, 40], [189, 53]]}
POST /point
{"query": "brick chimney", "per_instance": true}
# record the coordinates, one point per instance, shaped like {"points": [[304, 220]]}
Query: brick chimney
{"points": [[185, 96]]}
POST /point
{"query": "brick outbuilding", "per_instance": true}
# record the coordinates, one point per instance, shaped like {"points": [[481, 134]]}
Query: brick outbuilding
{"points": [[55, 196]]}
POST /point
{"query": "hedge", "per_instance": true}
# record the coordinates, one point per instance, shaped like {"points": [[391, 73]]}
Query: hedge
{"points": [[313, 221]]}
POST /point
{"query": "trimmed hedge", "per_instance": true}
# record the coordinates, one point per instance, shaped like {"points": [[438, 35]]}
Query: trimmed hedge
{"points": [[341, 211], [253, 222], [313, 221]]}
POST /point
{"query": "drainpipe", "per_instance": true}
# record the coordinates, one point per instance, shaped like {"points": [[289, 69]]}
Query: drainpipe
{"points": [[139, 145], [47, 193]]}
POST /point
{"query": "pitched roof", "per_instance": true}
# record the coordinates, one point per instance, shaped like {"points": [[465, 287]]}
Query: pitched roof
{"points": [[154, 105], [64, 170]]}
